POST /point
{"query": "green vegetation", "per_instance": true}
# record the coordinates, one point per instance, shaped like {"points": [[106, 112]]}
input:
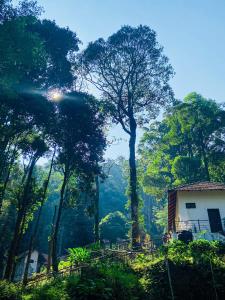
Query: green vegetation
{"points": [[57, 193], [113, 227], [186, 146], [196, 270]]}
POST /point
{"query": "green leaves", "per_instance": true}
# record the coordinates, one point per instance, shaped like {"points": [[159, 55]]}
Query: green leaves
{"points": [[78, 255], [113, 226]]}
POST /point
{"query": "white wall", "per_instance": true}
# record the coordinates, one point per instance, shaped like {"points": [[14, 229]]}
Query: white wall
{"points": [[203, 201]]}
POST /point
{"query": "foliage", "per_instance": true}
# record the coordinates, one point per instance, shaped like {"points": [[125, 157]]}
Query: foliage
{"points": [[102, 281], [113, 187], [78, 255], [195, 270], [113, 226], [9, 291], [132, 74], [52, 290], [88, 289], [186, 146]]}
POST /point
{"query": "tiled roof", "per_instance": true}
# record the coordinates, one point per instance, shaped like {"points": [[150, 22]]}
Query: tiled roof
{"points": [[201, 186]]}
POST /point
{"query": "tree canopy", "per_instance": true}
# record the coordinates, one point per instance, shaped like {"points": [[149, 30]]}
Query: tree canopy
{"points": [[132, 73]]}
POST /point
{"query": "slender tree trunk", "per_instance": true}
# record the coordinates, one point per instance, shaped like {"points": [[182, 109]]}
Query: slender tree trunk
{"points": [[96, 210], [33, 237], [3, 189], [205, 159], [21, 214], [135, 235], [50, 241], [18, 245], [204, 156], [56, 230], [13, 247]]}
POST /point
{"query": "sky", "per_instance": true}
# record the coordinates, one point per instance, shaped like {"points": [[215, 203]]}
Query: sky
{"points": [[192, 33]]}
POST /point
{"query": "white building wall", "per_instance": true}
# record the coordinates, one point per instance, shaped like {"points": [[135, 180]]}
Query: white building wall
{"points": [[203, 201], [33, 265]]}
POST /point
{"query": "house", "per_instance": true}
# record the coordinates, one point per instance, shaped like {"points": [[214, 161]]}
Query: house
{"points": [[37, 260], [199, 208]]}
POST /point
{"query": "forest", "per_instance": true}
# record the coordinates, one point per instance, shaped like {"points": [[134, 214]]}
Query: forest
{"points": [[60, 196]]}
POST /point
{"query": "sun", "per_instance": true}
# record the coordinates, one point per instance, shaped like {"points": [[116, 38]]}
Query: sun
{"points": [[55, 95]]}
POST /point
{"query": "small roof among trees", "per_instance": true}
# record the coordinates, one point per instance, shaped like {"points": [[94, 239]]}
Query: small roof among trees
{"points": [[201, 186]]}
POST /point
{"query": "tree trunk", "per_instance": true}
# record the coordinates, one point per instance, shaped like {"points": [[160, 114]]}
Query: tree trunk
{"points": [[204, 156], [13, 248], [135, 235], [206, 164], [33, 237], [96, 210], [17, 236], [3, 188], [56, 229], [50, 242]]}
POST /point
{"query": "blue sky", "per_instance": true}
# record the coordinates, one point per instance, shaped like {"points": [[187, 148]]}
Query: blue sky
{"points": [[191, 31]]}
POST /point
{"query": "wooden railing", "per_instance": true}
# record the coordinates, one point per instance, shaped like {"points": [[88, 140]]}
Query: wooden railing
{"points": [[119, 252], [192, 225]]}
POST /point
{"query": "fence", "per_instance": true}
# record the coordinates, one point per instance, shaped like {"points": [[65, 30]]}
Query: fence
{"points": [[119, 252], [192, 225]]}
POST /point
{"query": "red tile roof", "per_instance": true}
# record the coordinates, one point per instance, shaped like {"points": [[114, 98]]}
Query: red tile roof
{"points": [[201, 186]]}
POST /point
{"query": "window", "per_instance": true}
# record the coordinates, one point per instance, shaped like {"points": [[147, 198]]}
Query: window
{"points": [[190, 205]]}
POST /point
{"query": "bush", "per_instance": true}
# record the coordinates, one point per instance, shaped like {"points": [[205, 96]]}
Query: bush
{"points": [[53, 290], [88, 289], [105, 281], [78, 255], [113, 226], [197, 271], [9, 291], [123, 281]]}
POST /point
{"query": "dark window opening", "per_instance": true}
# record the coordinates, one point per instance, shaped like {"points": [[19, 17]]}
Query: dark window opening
{"points": [[190, 205]]}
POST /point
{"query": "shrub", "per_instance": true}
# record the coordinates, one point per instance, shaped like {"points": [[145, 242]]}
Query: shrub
{"points": [[178, 252], [53, 290], [105, 281], [123, 281], [202, 250], [9, 291], [78, 255], [113, 226], [88, 289]]}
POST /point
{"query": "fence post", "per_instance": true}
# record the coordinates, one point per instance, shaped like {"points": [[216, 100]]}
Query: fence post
{"points": [[169, 277], [199, 226], [213, 279]]}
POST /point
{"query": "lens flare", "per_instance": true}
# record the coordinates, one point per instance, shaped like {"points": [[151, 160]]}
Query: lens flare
{"points": [[55, 95]]}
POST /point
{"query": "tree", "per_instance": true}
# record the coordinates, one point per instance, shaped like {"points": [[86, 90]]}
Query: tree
{"points": [[132, 73], [80, 140], [113, 226], [8, 11], [186, 146], [43, 194], [26, 200], [60, 45]]}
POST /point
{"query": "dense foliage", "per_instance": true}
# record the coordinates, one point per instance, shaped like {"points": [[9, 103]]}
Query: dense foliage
{"points": [[186, 271], [57, 194], [186, 146]]}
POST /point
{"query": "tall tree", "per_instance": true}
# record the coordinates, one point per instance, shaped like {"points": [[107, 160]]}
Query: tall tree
{"points": [[43, 195], [26, 200], [132, 73], [80, 139]]}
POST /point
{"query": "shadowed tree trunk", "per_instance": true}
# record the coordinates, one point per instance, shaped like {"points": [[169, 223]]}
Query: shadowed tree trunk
{"points": [[6, 180], [133, 185], [96, 210], [57, 224], [34, 235], [18, 227], [50, 241]]}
